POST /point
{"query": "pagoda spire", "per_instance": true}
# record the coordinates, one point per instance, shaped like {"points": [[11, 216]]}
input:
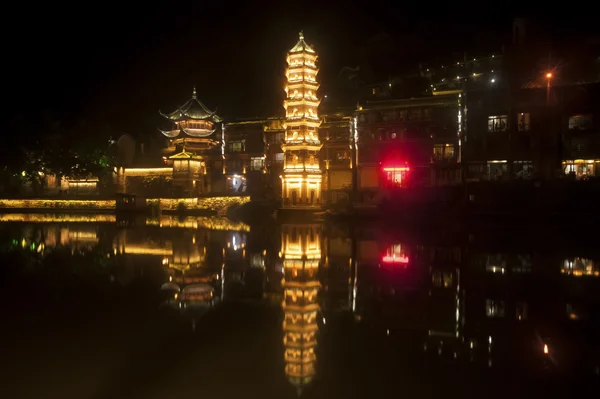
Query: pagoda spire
{"points": [[194, 92], [301, 35]]}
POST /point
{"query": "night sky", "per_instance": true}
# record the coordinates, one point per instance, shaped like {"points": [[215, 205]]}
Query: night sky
{"points": [[121, 64]]}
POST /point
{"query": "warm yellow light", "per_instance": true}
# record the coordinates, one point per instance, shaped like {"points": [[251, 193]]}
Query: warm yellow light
{"points": [[549, 75]]}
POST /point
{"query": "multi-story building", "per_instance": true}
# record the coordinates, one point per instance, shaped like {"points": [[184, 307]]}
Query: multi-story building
{"points": [[336, 134], [274, 134], [245, 156], [302, 176], [543, 132], [411, 142]]}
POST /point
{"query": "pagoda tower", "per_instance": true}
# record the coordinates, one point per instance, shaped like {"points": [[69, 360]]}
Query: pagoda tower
{"points": [[301, 178], [192, 127], [301, 254]]}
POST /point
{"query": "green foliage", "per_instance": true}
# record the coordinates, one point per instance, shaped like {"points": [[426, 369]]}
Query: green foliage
{"points": [[44, 145]]}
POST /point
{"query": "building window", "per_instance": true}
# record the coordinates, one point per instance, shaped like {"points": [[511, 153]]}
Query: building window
{"points": [[443, 151], [257, 163], [523, 124], [580, 168], [279, 157], [236, 146], [276, 138], [395, 176], [342, 155], [497, 123], [523, 169], [580, 122]]}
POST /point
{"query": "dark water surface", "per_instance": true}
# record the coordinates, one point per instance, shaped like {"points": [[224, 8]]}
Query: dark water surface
{"points": [[93, 307]]}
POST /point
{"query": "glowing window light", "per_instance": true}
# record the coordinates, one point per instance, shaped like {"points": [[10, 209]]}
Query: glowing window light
{"points": [[400, 169]]}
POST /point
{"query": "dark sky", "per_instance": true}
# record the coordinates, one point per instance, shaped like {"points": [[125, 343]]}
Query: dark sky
{"points": [[121, 63]]}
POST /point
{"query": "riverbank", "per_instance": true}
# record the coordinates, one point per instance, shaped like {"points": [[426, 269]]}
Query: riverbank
{"points": [[203, 206]]}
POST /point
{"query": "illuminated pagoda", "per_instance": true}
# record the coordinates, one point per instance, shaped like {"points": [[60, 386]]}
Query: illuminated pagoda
{"points": [[301, 178], [194, 128], [301, 254]]}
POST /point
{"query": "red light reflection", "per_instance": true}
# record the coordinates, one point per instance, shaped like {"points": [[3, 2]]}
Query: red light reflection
{"points": [[395, 254], [394, 259]]}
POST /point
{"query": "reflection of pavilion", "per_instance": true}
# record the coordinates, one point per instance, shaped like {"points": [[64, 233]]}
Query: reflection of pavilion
{"points": [[188, 276], [301, 254]]}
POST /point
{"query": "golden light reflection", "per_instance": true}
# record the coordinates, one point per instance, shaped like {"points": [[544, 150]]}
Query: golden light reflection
{"points": [[580, 267], [57, 218], [301, 253], [198, 222]]}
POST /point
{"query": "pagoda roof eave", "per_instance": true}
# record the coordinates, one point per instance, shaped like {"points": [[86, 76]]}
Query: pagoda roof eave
{"points": [[204, 134], [301, 146], [193, 109], [185, 155], [170, 133]]}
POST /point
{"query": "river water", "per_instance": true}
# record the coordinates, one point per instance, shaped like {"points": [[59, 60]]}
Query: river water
{"points": [[95, 307]]}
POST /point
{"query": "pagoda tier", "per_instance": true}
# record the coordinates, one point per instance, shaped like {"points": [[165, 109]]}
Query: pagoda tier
{"points": [[301, 253], [302, 176], [192, 119]]}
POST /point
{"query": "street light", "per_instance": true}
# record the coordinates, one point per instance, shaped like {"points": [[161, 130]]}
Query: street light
{"points": [[549, 75]]}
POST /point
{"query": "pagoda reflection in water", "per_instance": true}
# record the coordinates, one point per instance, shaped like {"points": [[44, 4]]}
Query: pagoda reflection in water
{"points": [[190, 281], [301, 255]]}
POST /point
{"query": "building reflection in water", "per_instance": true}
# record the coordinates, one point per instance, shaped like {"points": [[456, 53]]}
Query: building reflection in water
{"points": [[202, 259], [301, 255], [463, 297], [190, 280]]}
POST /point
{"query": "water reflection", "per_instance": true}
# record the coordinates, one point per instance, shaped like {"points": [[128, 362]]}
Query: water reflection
{"points": [[445, 304], [301, 254]]}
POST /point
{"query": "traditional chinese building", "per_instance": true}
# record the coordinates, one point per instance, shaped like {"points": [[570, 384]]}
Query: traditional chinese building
{"points": [[301, 178], [196, 134], [301, 254]]}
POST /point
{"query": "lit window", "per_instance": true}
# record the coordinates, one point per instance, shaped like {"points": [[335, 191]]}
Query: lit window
{"points": [[449, 151], [236, 146], [497, 123], [395, 254], [523, 121], [580, 122], [257, 163], [443, 151], [395, 176], [438, 151], [279, 157], [342, 155]]}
